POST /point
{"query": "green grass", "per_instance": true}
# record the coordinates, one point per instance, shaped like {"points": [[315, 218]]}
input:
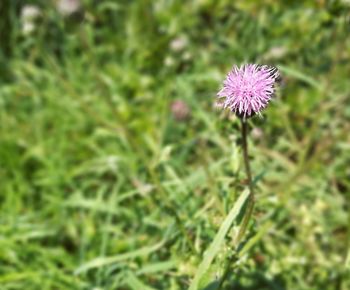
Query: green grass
{"points": [[102, 188]]}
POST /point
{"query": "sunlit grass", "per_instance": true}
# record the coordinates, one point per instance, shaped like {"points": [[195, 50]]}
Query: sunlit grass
{"points": [[102, 188]]}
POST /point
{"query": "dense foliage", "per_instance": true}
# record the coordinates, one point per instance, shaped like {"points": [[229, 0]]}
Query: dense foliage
{"points": [[105, 183]]}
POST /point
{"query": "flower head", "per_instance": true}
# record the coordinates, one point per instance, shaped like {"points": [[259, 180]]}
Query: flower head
{"points": [[248, 89], [180, 110]]}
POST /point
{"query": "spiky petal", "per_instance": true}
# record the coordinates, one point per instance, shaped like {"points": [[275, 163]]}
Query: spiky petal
{"points": [[248, 89]]}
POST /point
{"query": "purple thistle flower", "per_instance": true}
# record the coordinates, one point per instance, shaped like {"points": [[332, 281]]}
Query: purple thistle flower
{"points": [[248, 89]]}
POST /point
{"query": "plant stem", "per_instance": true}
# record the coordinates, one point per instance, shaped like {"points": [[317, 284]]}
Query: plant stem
{"points": [[251, 200], [250, 203]]}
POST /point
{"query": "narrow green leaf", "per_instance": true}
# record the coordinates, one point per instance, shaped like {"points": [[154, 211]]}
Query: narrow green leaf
{"points": [[252, 241], [157, 267], [301, 76], [135, 283], [218, 240], [347, 260], [103, 261]]}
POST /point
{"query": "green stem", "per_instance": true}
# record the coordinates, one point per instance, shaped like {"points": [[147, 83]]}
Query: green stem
{"points": [[251, 200]]}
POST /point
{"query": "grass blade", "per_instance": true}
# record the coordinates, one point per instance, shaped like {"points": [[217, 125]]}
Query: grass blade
{"points": [[135, 283], [218, 240], [103, 261], [300, 75]]}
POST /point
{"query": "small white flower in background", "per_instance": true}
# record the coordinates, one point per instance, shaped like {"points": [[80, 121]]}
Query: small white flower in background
{"points": [[169, 61], [28, 27], [257, 133], [276, 52], [29, 14], [143, 188], [68, 7], [186, 56], [178, 43]]}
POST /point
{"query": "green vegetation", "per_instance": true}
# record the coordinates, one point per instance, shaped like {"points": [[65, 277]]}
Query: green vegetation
{"points": [[104, 185]]}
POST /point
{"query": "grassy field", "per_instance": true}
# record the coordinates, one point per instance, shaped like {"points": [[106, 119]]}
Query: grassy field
{"points": [[106, 183]]}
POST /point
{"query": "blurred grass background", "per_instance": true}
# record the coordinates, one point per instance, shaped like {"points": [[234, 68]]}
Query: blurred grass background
{"points": [[116, 170]]}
